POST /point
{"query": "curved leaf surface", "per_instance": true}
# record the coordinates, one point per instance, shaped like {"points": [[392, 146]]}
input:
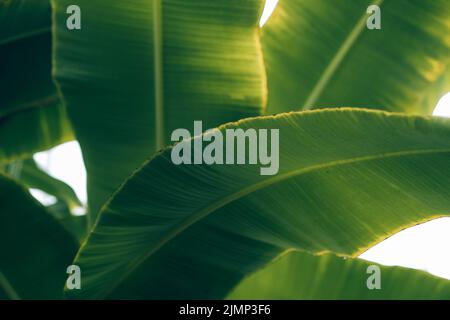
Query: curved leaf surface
{"points": [[348, 178], [28, 234], [299, 275], [320, 53], [29, 105], [33, 177], [138, 69], [23, 19], [76, 225]]}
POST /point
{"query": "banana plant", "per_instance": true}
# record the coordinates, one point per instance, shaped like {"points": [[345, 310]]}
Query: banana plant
{"points": [[321, 54], [137, 70], [146, 68], [35, 248], [30, 109]]}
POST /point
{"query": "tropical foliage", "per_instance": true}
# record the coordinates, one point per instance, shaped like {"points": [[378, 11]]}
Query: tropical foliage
{"points": [[360, 156]]}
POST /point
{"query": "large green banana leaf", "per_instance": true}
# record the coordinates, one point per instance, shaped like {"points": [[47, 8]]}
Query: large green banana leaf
{"points": [[348, 179], [29, 106], [142, 68], [299, 275], [320, 53], [76, 225], [67, 203], [35, 250]]}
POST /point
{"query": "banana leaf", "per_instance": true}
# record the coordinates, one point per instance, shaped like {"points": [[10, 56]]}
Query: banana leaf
{"points": [[348, 178], [29, 105], [319, 53], [299, 275], [35, 249], [138, 69]]}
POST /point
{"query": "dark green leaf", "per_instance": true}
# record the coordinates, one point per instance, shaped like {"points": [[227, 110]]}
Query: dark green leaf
{"points": [[29, 105], [35, 250], [76, 225], [33, 177], [319, 53], [138, 69]]}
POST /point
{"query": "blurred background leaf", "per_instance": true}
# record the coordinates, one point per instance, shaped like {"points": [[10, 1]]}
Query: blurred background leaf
{"points": [[76, 225], [299, 275], [140, 69], [35, 248], [34, 177], [319, 53], [31, 116], [67, 204], [67, 208]]}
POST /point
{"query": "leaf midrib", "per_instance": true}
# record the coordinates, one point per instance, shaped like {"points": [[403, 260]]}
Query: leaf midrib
{"points": [[206, 211], [25, 35], [337, 60]]}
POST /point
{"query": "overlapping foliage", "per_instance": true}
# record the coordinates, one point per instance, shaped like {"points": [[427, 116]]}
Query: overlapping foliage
{"points": [[138, 69]]}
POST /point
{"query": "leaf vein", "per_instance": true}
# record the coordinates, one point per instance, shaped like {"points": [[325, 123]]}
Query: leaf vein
{"points": [[206, 211]]}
